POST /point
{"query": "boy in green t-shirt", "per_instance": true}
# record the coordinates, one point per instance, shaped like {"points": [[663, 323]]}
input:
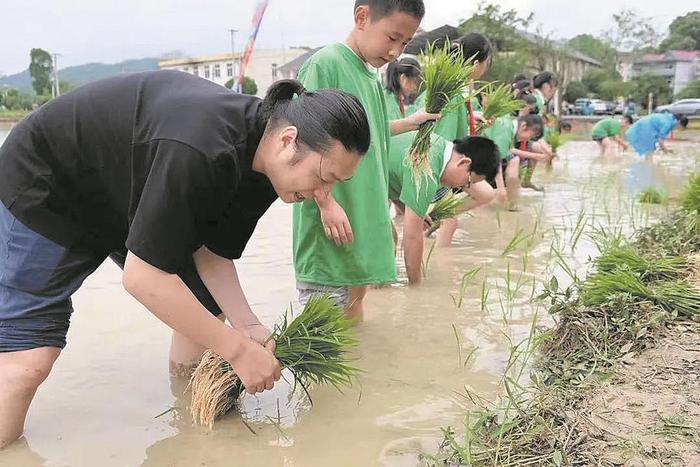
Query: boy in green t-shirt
{"points": [[514, 136], [454, 165], [343, 243], [609, 131]]}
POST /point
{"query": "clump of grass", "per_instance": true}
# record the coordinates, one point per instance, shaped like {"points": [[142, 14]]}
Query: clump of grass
{"points": [[315, 346], [677, 234], [448, 207], [646, 267], [652, 195], [445, 78], [690, 201], [498, 101]]}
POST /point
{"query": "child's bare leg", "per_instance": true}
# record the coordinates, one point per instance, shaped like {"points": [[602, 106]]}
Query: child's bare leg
{"points": [[356, 298], [513, 183], [607, 146], [480, 193], [446, 233], [185, 353], [21, 373], [601, 148]]}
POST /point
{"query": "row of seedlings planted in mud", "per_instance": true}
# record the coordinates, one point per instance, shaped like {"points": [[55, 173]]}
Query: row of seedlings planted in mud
{"points": [[635, 287]]}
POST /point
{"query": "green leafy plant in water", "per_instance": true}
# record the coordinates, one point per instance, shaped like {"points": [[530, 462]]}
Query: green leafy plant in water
{"points": [[652, 195]]}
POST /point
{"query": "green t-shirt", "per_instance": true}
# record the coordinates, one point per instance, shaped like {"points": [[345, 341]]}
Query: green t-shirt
{"points": [[393, 109], [540, 103], [453, 124], [503, 132], [402, 186], [606, 128], [370, 258]]}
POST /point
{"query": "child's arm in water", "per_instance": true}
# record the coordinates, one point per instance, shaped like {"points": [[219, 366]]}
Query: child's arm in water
{"points": [[621, 141], [413, 246], [537, 156]]}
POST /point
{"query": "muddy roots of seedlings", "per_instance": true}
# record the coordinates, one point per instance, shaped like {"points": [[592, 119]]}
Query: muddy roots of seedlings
{"points": [[215, 389]]}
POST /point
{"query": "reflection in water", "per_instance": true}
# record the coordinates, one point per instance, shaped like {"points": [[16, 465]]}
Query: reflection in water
{"points": [[421, 349]]}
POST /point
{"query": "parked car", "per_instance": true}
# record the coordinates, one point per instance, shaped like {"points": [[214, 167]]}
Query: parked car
{"points": [[683, 106], [599, 107], [619, 108], [583, 106], [610, 107]]}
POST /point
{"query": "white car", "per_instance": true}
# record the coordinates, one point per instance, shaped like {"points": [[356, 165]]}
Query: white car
{"points": [[599, 107], [683, 107]]}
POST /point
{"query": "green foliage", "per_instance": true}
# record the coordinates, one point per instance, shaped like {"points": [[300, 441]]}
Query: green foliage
{"points": [[250, 87], [498, 25], [498, 102], [683, 33], [505, 66], [595, 48], [576, 90], [13, 99], [447, 207], [40, 69], [641, 86], [690, 199], [652, 196], [631, 32], [691, 90]]}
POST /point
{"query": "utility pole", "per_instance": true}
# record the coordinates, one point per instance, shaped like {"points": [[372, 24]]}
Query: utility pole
{"points": [[55, 89], [233, 56]]}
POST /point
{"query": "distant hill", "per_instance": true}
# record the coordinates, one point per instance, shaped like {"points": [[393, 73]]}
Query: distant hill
{"points": [[81, 74]]}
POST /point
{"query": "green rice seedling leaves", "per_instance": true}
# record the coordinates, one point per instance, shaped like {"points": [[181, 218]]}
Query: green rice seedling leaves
{"points": [[315, 346], [466, 278], [445, 78], [518, 240], [449, 206], [652, 195], [647, 268], [498, 102]]}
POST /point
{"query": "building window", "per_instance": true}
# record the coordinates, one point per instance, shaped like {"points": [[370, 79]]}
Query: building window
{"points": [[207, 74], [217, 71], [195, 70], [229, 70]]}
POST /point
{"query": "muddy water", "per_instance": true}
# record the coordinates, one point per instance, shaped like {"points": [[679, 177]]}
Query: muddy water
{"points": [[419, 349]]}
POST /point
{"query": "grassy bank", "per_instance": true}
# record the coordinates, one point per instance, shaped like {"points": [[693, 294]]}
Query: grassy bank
{"points": [[11, 116], [637, 292]]}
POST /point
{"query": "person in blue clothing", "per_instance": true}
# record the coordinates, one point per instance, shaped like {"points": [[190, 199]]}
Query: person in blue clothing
{"points": [[654, 129]]}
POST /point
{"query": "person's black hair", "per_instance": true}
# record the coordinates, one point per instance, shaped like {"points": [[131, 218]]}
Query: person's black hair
{"points": [[483, 152], [522, 88], [629, 119], [564, 126], [533, 122], [406, 66], [475, 47], [379, 9], [543, 78], [682, 119], [519, 77], [320, 117], [528, 100]]}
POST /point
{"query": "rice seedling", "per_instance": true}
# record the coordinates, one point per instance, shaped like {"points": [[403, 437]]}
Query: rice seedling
{"points": [[485, 291], [448, 207], [647, 268], [314, 346], [466, 278], [445, 78], [690, 202], [518, 240], [579, 227], [554, 139], [498, 102], [651, 195], [426, 262]]}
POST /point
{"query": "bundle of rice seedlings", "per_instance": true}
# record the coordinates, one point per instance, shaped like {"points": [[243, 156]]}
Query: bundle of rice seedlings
{"points": [[690, 201], [646, 268], [498, 102], [651, 195], [314, 346], [672, 296], [554, 139], [445, 78], [448, 207]]}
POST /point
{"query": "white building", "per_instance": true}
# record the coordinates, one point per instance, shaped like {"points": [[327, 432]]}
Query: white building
{"points": [[679, 67], [222, 68]]}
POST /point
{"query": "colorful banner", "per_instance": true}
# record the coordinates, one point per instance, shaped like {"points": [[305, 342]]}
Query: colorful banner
{"points": [[247, 54]]}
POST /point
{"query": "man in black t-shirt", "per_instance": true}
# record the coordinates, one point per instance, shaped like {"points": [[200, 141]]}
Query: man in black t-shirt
{"points": [[168, 174]]}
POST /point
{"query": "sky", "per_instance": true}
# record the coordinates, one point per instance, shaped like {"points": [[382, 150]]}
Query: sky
{"points": [[109, 31]]}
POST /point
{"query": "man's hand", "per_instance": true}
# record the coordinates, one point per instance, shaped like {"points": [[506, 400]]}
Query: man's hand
{"points": [[256, 366], [335, 221], [259, 334]]}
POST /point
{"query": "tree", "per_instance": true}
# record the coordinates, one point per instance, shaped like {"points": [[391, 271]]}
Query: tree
{"points": [[499, 26], [575, 90], [40, 69], [648, 83], [595, 48], [632, 32], [684, 33], [692, 90], [598, 81], [250, 87]]}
